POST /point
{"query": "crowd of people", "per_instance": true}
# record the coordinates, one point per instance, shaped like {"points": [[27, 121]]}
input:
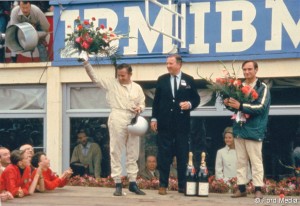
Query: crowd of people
{"points": [[175, 97], [24, 172]]}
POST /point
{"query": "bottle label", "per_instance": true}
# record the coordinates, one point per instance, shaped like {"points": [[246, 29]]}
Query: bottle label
{"points": [[203, 189], [191, 188]]}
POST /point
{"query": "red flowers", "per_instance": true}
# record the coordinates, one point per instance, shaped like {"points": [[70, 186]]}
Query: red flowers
{"points": [[93, 39], [79, 27], [231, 86], [247, 90]]}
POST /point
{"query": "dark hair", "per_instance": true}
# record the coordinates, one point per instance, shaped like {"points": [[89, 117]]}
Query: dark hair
{"points": [[16, 156], [248, 61], [124, 65], [25, 2], [177, 57], [37, 158], [81, 131]]}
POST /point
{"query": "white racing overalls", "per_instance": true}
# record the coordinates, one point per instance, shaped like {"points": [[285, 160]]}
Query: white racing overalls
{"points": [[122, 100]]}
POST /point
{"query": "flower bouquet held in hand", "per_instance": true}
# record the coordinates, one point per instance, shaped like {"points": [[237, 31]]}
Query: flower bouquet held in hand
{"points": [[229, 86], [91, 39]]}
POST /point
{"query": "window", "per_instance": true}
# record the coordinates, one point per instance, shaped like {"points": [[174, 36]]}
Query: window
{"points": [[15, 132], [22, 110], [97, 131]]}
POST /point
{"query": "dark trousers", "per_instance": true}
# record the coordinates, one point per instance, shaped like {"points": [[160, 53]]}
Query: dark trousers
{"points": [[172, 143]]}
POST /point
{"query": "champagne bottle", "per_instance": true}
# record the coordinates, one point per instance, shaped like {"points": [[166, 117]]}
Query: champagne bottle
{"points": [[191, 183], [203, 186]]}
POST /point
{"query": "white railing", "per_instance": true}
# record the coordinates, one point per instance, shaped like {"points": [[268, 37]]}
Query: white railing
{"points": [[178, 16]]}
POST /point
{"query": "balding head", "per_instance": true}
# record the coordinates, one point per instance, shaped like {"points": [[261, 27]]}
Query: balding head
{"points": [[4, 156]]}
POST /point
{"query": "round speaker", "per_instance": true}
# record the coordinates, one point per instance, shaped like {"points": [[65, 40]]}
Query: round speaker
{"points": [[21, 37]]}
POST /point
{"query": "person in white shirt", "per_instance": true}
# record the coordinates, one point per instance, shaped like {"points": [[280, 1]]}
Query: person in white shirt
{"points": [[225, 167]]}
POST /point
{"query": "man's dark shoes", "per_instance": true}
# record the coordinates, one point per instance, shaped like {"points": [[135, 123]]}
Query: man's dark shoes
{"points": [[134, 188], [118, 191], [238, 194]]}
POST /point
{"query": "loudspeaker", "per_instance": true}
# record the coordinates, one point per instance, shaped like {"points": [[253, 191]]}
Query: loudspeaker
{"points": [[22, 37]]}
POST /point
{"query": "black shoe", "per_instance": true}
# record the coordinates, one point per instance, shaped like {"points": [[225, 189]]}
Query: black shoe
{"points": [[134, 188], [118, 191]]}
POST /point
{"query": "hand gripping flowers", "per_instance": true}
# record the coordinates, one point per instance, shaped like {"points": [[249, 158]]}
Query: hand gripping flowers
{"points": [[230, 86]]}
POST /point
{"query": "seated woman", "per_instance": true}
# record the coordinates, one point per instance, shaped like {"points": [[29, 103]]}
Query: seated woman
{"points": [[16, 178], [225, 167], [51, 180]]}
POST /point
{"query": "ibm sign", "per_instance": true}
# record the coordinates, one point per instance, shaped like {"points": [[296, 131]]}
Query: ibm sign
{"points": [[210, 30]]}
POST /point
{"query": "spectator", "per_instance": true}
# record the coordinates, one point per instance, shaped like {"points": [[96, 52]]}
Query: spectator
{"points": [[30, 152], [173, 168], [51, 180], [26, 12], [4, 158], [225, 167], [16, 178], [150, 171], [87, 154], [28, 148], [296, 157]]}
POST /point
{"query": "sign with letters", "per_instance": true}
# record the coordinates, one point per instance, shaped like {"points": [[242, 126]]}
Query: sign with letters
{"points": [[214, 29]]}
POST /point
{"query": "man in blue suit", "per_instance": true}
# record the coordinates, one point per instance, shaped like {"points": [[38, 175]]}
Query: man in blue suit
{"points": [[175, 96]]}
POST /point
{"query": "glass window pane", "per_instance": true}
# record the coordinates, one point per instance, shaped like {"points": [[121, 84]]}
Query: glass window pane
{"points": [[285, 96], [22, 98], [16, 132], [97, 131], [88, 98]]}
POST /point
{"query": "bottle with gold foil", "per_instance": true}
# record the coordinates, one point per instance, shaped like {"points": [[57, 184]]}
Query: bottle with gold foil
{"points": [[202, 178], [191, 181]]}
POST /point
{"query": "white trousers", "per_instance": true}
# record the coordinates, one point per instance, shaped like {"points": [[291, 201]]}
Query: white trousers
{"points": [[249, 150], [120, 140]]}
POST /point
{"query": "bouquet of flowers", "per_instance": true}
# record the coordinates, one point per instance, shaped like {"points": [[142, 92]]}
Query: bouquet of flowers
{"points": [[95, 40], [230, 86]]}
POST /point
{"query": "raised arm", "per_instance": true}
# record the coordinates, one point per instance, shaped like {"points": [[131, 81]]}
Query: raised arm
{"points": [[99, 81]]}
